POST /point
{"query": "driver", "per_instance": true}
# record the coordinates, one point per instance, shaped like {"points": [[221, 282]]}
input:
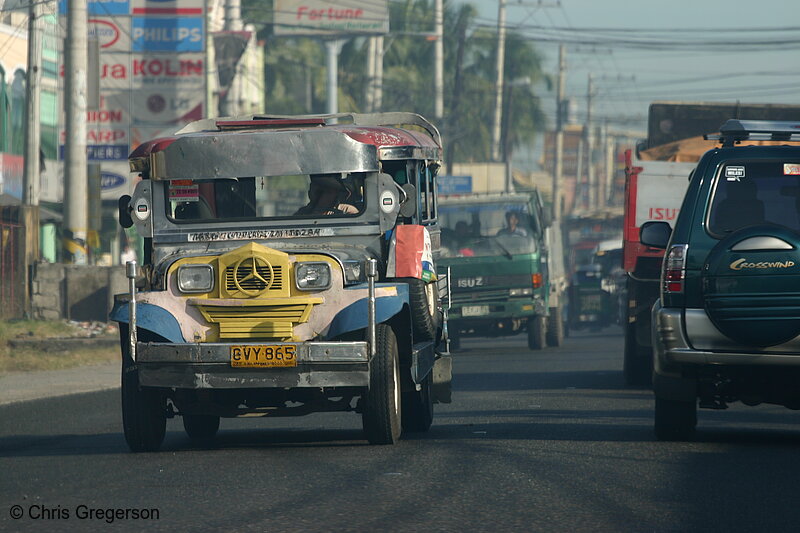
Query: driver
{"points": [[327, 196], [513, 227]]}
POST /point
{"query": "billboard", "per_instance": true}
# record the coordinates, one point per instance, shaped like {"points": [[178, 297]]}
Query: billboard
{"points": [[171, 34], [323, 17]]}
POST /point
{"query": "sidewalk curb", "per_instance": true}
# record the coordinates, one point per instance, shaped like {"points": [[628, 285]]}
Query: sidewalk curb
{"points": [[26, 386]]}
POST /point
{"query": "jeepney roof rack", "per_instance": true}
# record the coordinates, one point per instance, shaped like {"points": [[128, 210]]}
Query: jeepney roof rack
{"points": [[262, 121], [735, 130]]}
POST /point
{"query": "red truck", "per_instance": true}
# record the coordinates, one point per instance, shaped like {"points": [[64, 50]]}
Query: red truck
{"points": [[657, 175]]}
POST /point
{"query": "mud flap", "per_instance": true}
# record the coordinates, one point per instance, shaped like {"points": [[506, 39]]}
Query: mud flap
{"points": [[443, 379]]}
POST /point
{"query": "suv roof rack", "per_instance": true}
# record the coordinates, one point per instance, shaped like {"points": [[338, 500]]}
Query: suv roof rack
{"points": [[735, 130]]}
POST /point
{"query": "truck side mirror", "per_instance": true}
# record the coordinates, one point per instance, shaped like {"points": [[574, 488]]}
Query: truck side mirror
{"points": [[655, 234], [547, 216], [125, 219], [408, 208]]}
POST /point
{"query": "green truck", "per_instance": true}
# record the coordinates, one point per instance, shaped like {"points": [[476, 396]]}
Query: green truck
{"points": [[504, 276]]}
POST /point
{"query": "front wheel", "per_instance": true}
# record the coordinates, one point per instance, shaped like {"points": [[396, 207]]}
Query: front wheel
{"points": [[144, 411], [555, 328], [418, 407], [381, 415], [675, 420], [201, 427], [537, 331]]}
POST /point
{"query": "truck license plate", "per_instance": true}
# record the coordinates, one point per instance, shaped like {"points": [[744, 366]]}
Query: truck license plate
{"points": [[261, 356], [475, 310]]}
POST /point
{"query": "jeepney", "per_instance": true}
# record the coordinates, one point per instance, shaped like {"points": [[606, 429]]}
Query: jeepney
{"points": [[255, 299]]}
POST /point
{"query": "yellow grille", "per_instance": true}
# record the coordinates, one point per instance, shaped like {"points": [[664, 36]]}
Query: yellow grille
{"points": [[257, 320], [272, 278]]}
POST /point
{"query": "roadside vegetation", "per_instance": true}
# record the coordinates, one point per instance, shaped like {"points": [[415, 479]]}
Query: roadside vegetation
{"points": [[27, 345]]}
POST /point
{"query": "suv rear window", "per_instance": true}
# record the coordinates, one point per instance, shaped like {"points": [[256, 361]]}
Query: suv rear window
{"points": [[748, 193]]}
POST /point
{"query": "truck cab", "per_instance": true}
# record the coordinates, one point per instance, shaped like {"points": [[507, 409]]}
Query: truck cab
{"points": [[496, 250]]}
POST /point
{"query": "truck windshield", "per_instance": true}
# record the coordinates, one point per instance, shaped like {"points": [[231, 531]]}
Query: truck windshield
{"points": [[755, 192], [498, 229], [265, 197]]}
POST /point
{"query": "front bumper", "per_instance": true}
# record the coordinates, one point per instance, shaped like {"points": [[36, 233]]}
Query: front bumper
{"points": [[208, 366]]}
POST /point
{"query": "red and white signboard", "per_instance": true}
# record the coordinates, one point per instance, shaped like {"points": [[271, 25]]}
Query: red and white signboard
{"points": [[326, 17], [167, 7], [172, 71]]}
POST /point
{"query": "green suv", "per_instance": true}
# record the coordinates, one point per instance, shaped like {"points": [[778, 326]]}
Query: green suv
{"points": [[727, 325]]}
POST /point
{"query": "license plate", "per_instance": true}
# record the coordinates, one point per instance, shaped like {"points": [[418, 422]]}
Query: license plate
{"points": [[475, 310], [262, 356]]}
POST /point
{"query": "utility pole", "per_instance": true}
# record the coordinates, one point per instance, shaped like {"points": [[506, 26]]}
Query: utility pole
{"points": [[438, 108], [590, 170], [332, 49], [372, 57], [377, 96], [75, 187], [33, 139], [560, 119], [499, 73]]}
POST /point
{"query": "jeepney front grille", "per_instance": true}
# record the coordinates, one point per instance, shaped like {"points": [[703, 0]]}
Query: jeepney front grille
{"points": [[258, 322], [268, 278]]}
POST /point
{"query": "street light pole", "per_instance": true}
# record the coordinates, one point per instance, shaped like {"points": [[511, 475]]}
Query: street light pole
{"points": [[76, 186], [438, 77], [32, 180], [498, 87]]}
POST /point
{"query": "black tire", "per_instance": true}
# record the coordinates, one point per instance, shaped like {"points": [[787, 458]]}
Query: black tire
{"points": [[555, 328], [675, 420], [424, 300], [537, 331], [201, 427], [417, 412], [637, 365], [144, 410], [381, 416]]}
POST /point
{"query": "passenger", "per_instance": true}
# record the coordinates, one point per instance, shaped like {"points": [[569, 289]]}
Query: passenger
{"points": [[513, 228], [327, 196]]}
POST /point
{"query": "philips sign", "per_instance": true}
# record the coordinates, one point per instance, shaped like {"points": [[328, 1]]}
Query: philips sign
{"points": [[167, 34]]}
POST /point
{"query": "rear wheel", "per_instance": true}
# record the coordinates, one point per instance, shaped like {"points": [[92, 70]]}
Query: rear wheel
{"points": [[675, 420], [417, 412], [424, 301], [537, 331], [201, 427], [144, 410], [555, 328], [381, 415]]}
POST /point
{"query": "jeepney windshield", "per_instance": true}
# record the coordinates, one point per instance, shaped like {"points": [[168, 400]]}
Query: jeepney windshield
{"points": [[265, 197], [499, 229]]}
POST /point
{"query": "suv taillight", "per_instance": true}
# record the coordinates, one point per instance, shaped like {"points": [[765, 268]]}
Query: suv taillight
{"points": [[674, 269]]}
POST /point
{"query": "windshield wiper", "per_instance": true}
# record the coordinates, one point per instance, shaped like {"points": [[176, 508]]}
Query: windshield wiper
{"points": [[504, 249]]}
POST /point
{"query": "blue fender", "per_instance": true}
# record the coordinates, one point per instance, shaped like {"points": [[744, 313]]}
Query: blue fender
{"points": [[356, 315], [150, 317]]}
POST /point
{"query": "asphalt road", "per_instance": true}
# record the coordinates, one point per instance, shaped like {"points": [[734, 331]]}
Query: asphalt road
{"points": [[533, 441]]}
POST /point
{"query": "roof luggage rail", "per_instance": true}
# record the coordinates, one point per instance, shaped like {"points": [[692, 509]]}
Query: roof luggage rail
{"points": [[735, 130], [393, 119]]}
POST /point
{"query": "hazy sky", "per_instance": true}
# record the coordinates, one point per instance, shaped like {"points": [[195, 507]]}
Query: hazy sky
{"points": [[700, 50]]}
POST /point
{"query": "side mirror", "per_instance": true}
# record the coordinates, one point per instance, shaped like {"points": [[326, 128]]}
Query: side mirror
{"points": [[409, 206], [547, 216], [655, 234], [125, 219]]}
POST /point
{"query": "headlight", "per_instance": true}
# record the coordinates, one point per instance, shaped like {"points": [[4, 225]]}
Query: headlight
{"points": [[195, 278], [353, 271], [312, 276], [520, 292]]}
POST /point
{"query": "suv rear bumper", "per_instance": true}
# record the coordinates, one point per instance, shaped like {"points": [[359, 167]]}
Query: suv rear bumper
{"points": [[208, 366], [672, 349]]}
